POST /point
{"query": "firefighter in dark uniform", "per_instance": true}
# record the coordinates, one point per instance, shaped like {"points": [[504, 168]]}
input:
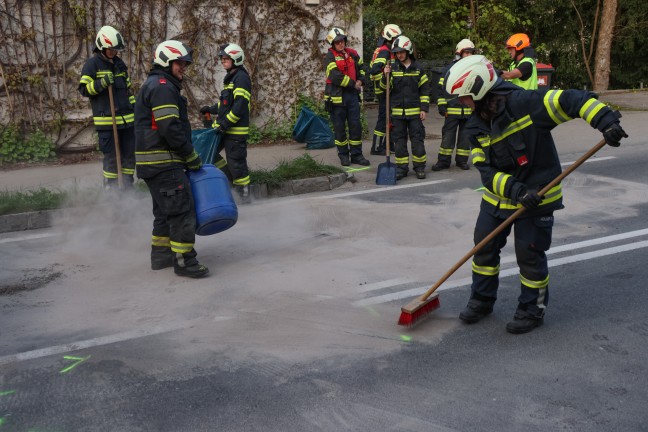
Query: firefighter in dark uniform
{"points": [[514, 151], [344, 80], [456, 114], [101, 70], [381, 56], [163, 152], [233, 118], [522, 70], [410, 102]]}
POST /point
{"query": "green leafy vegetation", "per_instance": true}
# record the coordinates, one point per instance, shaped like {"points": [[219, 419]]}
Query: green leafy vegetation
{"points": [[33, 147]]}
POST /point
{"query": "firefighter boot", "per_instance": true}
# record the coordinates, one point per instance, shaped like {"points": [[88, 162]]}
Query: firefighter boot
{"points": [[476, 310], [420, 173], [440, 165], [344, 159], [192, 271], [244, 193], [161, 257], [524, 322], [462, 162], [378, 146], [359, 159]]}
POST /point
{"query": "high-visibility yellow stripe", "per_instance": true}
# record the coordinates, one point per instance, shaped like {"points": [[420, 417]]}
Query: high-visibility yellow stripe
{"points": [[485, 270], [590, 109], [514, 127], [551, 102], [160, 241], [534, 284], [242, 181]]}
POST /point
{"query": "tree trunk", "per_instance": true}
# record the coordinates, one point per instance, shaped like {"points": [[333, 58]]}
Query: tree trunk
{"points": [[604, 46]]}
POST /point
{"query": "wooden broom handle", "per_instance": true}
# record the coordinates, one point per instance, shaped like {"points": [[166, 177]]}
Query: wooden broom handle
{"points": [[510, 219], [120, 182], [387, 109]]}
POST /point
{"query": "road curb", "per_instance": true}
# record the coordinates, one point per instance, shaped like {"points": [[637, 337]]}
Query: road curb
{"points": [[43, 218]]}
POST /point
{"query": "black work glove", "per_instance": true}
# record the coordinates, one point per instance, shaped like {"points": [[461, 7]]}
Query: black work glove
{"points": [[443, 111], [613, 134], [193, 162], [108, 79], [205, 110], [529, 198]]}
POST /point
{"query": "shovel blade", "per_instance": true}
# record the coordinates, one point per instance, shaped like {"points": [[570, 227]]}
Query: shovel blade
{"points": [[386, 174]]}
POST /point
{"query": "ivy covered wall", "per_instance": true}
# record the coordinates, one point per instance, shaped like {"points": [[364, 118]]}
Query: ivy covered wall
{"points": [[45, 43]]}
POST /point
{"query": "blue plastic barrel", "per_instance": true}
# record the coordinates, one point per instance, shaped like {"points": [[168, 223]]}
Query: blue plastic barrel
{"points": [[215, 207]]}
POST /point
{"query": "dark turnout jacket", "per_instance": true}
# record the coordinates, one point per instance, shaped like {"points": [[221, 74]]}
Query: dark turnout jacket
{"points": [[409, 90], [162, 128], [516, 148]]}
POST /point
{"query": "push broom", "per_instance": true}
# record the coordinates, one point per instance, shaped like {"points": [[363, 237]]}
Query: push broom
{"points": [[422, 306]]}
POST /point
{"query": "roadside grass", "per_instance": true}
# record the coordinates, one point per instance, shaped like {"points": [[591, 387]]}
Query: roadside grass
{"points": [[20, 202], [299, 168], [12, 202]]}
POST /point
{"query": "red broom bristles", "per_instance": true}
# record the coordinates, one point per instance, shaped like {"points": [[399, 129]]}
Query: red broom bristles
{"points": [[410, 317]]}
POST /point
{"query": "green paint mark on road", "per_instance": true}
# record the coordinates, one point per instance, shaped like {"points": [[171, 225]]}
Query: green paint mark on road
{"points": [[78, 360], [357, 169], [7, 392], [406, 338]]}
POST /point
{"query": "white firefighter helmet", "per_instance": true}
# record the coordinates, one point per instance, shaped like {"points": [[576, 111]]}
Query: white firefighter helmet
{"points": [[232, 51], [465, 45], [335, 35], [109, 37], [402, 43], [171, 50], [391, 31], [471, 76]]}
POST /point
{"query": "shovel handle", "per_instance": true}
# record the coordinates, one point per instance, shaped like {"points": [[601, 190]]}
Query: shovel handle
{"points": [[120, 182], [510, 219], [387, 109]]}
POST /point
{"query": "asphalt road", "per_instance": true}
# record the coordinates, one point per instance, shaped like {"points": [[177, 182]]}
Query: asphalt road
{"points": [[295, 329]]}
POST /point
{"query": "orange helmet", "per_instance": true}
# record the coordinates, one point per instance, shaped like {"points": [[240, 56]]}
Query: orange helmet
{"points": [[519, 41]]}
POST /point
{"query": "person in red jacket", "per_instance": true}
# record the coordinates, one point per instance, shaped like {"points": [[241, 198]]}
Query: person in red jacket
{"points": [[512, 147], [344, 79]]}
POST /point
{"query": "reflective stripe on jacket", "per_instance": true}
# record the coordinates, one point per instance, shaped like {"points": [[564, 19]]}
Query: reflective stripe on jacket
{"points": [[516, 149], [162, 128], [90, 86], [381, 55], [409, 92], [233, 107], [448, 103], [337, 81]]}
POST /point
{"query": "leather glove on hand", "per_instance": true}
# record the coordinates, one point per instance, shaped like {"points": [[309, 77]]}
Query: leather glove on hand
{"points": [[529, 198], [108, 79], [205, 110], [194, 163], [442, 112], [613, 134]]}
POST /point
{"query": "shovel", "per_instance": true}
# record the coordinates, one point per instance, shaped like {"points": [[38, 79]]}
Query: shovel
{"points": [[386, 174]]}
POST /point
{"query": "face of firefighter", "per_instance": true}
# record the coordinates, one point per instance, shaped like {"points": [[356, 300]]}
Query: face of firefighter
{"points": [[227, 63], [401, 56], [511, 52], [466, 53], [339, 45], [110, 53], [178, 68]]}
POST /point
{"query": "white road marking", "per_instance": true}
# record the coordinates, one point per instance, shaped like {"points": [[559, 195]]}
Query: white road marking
{"points": [[591, 160], [105, 340], [381, 189], [28, 237], [413, 292]]}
